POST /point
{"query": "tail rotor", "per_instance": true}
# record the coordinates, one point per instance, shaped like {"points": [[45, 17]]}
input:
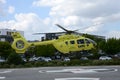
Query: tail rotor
{"points": [[19, 44]]}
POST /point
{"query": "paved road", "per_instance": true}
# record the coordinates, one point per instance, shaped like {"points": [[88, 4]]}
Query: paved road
{"points": [[62, 73]]}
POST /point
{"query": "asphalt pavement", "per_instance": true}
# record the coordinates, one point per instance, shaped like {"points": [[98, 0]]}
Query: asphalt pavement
{"points": [[62, 73]]}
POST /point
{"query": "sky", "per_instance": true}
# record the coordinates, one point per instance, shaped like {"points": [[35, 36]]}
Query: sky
{"points": [[97, 17]]}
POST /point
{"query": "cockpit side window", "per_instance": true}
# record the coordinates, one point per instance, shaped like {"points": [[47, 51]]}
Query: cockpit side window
{"points": [[66, 42], [72, 42], [80, 41], [92, 41]]}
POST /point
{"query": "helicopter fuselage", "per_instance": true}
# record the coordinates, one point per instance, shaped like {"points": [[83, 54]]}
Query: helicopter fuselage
{"points": [[65, 44], [71, 43]]}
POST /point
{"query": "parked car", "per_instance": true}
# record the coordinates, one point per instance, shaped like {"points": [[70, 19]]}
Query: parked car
{"points": [[32, 59], [46, 59], [117, 55], [105, 58], [2, 60], [24, 59], [66, 59], [83, 58]]}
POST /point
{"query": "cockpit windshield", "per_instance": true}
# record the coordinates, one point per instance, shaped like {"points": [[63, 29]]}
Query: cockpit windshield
{"points": [[92, 41]]}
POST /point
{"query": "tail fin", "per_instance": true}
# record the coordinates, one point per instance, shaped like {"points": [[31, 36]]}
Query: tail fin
{"points": [[19, 44]]}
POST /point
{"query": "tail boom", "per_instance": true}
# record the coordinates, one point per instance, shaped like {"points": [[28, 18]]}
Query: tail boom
{"points": [[20, 45]]}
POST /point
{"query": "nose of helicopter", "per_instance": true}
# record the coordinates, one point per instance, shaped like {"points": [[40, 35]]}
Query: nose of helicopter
{"points": [[94, 44]]}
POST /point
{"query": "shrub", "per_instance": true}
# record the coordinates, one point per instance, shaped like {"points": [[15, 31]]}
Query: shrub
{"points": [[12, 66], [6, 66], [20, 66], [39, 64], [28, 65], [14, 58]]}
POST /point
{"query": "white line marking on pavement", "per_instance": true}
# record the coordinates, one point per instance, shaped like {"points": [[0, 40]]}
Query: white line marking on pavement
{"points": [[78, 71], [2, 77], [6, 71], [116, 69], [77, 79]]}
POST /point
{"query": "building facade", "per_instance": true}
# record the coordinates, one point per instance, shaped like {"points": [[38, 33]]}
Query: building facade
{"points": [[5, 34]]}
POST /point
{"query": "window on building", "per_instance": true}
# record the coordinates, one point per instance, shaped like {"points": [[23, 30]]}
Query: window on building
{"points": [[8, 33], [80, 41]]}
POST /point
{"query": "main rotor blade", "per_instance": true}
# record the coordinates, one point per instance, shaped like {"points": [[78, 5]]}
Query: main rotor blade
{"points": [[90, 26], [75, 30], [67, 31], [62, 27], [38, 33], [49, 33]]}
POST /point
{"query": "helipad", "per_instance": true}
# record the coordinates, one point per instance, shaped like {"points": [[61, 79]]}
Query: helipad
{"points": [[77, 79], [78, 71]]}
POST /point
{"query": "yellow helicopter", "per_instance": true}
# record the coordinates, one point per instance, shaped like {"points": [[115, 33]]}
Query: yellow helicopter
{"points": [[65, 43]]}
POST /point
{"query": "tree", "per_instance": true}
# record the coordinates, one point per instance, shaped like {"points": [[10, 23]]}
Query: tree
{"points": [[102, 45], [5, 49], [111, 46], [14, 58], [44, 50]]}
